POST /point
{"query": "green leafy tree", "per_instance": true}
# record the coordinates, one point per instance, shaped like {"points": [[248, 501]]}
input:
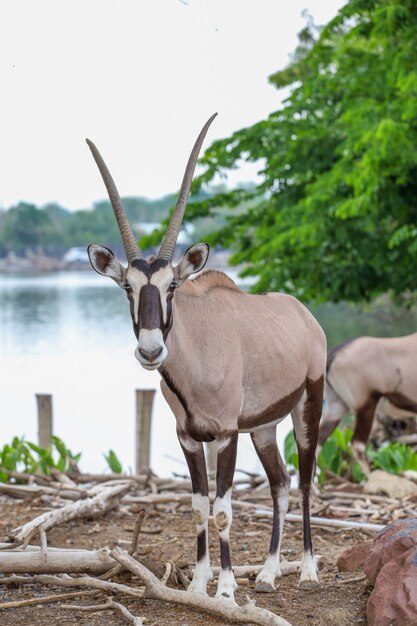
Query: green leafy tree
{"points": [[335, 214]]}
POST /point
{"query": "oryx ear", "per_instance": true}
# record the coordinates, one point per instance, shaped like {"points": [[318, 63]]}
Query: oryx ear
{"points": [[104, 262], [194, 260]]}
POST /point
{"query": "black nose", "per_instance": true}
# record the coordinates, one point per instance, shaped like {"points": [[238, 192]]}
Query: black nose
{"points": [[150, 355]]}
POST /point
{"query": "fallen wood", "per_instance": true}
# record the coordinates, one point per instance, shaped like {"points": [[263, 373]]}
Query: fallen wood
{"points": [[104, 501], [228, 610], [57, 597], [34, 560], [287, 568], [324, 521], [82, 581], [110, 604]]}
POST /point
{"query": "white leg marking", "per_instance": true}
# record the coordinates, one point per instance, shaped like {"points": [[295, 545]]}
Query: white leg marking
{"points": [[265, 580], [189, 444], [222, 513], [226, 585], [202, 573], [300, 427], [308, 572]]}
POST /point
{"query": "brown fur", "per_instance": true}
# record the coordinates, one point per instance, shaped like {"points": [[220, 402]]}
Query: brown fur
{"points": [[363, 371]]}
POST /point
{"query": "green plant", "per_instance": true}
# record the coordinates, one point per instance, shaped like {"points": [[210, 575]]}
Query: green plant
{"points": [[394, 458], [113, 462], [27, 457], [16, 456], [336, 456]]}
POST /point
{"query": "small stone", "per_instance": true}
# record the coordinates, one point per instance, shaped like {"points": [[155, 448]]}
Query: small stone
{"points": [[354, 558], [389, 484]]}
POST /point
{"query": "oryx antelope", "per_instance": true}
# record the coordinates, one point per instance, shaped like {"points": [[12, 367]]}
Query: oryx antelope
{"points": [[361, 372], [230, 362]]}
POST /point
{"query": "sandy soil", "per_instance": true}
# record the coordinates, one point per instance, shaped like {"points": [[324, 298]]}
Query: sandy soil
{"points": [[334, 604]]}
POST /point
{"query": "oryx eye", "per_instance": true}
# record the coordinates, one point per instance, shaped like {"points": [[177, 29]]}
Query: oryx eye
{"points": [[127, 287], [172, 286]]}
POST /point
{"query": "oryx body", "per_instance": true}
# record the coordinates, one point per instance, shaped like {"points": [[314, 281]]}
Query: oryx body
{"points": [[361, 372], [230, 362]]}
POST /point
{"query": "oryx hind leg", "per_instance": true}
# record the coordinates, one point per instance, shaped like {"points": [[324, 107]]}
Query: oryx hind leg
{"points": [[334, 411], [194, 455], [364, 417], [306, 418], [265, 442]]}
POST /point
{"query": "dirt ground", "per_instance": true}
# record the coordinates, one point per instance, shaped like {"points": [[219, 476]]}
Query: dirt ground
{"points": [[334, 604]]}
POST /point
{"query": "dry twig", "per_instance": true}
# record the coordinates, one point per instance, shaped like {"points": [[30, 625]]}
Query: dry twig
{"points": [[110, 604], [228, 610]]}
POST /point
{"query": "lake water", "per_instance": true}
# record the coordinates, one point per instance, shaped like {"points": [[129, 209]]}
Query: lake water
{"points": [[69, 334]]}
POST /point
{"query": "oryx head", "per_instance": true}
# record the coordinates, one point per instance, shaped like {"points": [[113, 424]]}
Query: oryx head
{"points": [[150, 284]]}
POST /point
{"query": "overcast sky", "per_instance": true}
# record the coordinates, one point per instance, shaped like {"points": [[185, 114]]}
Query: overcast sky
{"points": [[137, 77]]}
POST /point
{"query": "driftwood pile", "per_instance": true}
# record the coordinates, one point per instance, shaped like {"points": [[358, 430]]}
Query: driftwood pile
{"points": [[26, 558]]}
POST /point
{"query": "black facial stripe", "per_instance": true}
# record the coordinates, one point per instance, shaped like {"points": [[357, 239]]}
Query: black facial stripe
{"points": [[132, 313], [150, 314], [149, 268], [168, 323], [150, 309]]}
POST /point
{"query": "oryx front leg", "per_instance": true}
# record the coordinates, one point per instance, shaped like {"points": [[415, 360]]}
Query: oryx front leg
{"points": [[306, 417], [222, 512], [265, 443], [194, 455]]}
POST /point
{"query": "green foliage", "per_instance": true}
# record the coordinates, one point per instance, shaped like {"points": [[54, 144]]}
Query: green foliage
{"points": [[290, 450], [19, 456], [334, 216], [113, 462], [336, 456], [394, 458]]}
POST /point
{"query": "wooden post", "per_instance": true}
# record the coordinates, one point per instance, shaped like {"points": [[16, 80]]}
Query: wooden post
{"points": [[144, 404], [44, 402], [211, 457]]}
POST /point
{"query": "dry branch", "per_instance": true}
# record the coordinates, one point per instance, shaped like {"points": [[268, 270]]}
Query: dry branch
{"points": [[57, 597], [83, 581], [324, 521], [105, 500], [287, 568], [110, 604], [228, 610], [34, 560]]}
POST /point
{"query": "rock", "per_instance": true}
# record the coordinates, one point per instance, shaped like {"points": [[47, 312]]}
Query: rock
{"points": [[391, 543], [353, 558], [389, 484], [394, 598]]}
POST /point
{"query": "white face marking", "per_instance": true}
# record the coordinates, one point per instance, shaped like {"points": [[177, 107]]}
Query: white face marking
{"points": [[149, 341], [136, 279], [162, 279]]}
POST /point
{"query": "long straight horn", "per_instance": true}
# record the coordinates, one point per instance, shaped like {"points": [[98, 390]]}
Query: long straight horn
{"points": [[129, 240], [166, 250]]}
